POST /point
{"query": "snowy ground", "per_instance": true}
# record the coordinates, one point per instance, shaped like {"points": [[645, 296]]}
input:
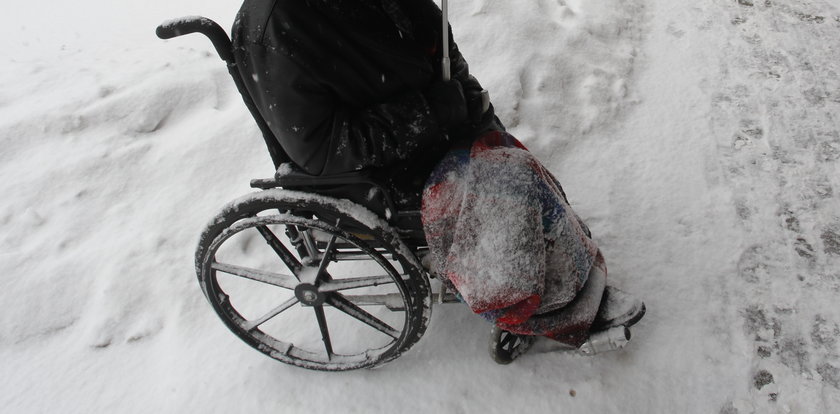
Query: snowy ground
{"points": [[700, 141]]}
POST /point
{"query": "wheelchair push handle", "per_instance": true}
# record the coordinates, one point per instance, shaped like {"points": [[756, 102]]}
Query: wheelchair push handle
{"points": [[446, 64], [198, 24]]}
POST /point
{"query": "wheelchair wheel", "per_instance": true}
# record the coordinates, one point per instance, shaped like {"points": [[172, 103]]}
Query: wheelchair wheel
{"points": [[313, 281]]}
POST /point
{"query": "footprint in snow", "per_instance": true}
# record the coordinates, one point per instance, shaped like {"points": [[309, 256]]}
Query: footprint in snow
{"points": [[831, 240], [557, 10], [674, 31]]}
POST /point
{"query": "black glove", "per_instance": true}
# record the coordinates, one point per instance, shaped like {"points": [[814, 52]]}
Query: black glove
{"points": [[447, 102], [475, 101]]}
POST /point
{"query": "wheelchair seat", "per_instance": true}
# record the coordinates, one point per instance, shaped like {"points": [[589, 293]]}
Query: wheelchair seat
{"points": [[360, 187]]}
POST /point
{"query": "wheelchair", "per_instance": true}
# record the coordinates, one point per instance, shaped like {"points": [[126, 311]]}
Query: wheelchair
{"points": [[320, 272]]}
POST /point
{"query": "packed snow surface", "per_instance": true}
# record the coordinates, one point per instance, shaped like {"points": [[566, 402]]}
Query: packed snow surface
{"points": [[699, 141]]}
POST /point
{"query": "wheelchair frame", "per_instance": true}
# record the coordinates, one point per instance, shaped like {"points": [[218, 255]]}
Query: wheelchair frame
{"points": [[312, 224]]}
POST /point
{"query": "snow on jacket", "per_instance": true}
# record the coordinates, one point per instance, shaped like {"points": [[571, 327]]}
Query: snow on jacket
{"points": [[340, 82]]}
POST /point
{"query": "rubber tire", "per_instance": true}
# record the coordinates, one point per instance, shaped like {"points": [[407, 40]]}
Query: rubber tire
{"points": [[414, 284]]}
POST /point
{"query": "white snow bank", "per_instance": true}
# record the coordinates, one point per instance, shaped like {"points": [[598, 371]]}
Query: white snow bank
{"points": [[555, 69]]}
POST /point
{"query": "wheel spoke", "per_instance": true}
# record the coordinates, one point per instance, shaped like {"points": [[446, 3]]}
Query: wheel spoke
{"points": [[325, 332], [250, 326], [274, 279], [353, 283], [341, 303], [325, 260], [285, 255]]}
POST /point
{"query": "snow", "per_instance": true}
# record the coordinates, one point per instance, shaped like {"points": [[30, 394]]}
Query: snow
{"points": [[698, 141]]}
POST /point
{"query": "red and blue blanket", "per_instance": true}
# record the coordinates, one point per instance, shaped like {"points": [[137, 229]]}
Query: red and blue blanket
{"points": [[501, 232]]}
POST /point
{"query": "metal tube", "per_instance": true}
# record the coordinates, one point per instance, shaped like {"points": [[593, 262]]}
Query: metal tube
{"points": [[609, 340], [446, 67]]}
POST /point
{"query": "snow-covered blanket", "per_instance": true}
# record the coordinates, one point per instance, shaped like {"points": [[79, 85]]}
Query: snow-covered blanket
{"points": [[501, 231]]}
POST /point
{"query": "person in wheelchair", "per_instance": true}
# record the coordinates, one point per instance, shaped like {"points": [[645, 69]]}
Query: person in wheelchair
{"points": [[349, 85], [355, 84]]}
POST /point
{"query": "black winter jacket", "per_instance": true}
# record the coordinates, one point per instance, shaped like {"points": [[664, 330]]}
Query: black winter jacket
{"points": [[341, 82]]}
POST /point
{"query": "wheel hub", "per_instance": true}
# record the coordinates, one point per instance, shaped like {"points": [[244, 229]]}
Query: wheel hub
{"points": [[309, 295]]}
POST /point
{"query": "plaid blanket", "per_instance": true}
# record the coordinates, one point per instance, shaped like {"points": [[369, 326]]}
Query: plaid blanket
{"points": [[502, 233]]}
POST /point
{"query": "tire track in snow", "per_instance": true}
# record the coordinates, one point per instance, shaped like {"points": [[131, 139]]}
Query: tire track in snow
{"points": [[735, 249], [665, 221], [776, 130]]}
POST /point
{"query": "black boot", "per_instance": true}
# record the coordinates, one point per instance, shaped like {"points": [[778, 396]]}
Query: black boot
{"points": [[506, 346]]}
